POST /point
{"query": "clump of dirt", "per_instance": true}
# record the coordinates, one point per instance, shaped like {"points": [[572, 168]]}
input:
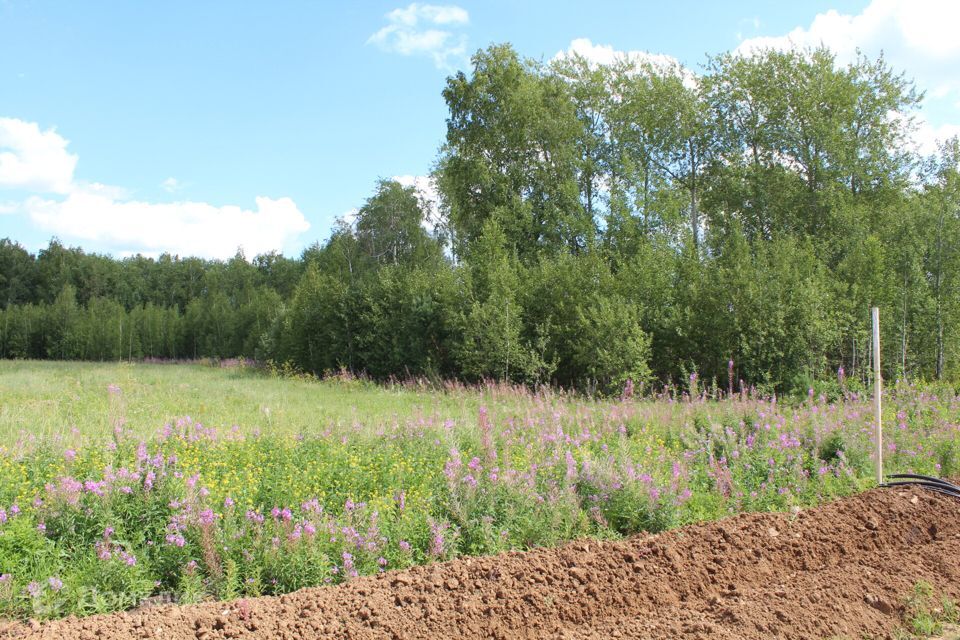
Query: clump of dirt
{"points": [[837, 570]]}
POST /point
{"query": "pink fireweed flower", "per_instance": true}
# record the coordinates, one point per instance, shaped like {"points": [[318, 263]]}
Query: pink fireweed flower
{"points": [[176, 540], [97, 488], [207, 517], [103, 551]]}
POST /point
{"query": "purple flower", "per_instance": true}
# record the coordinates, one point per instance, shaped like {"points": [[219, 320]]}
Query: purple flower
{"points": [[55, 583], [176, 540], [34, 589], [69, 455], [103, 551]]}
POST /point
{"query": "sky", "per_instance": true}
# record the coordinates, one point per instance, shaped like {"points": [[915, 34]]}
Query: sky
{"points": [[198, 128]]}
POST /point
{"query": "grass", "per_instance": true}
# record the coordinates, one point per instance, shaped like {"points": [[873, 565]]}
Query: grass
{"points": [[47, 400], [121, 482], [929, 616]]}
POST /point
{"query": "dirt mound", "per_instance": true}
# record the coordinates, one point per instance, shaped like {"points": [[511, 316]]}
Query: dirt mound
{"points": [[840, 570]]}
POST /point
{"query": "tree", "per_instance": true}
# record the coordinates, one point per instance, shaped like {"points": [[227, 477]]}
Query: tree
{"points": [[389, 227], [510, 156]]}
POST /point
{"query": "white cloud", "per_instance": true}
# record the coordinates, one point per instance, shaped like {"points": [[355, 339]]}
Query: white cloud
{"points": [[923, 28], [186, 228], [413, 30], [34, 160], [926, 136], [915, 36], [348, 217], [435, 14], [38, 162], [606, 55], [171, 185]]}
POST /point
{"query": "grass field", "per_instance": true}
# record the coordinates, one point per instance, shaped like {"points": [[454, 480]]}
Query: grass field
{"points": [[48, 399], [123, 482]]}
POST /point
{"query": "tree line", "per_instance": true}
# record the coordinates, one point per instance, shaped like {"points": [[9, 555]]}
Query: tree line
{"points": [[596, 223]]}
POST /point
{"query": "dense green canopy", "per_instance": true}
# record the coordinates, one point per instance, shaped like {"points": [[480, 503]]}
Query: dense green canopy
{"points": [[597, 224]]}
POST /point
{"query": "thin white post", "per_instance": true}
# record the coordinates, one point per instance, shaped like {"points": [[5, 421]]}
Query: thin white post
{"points": [[877, 391]]}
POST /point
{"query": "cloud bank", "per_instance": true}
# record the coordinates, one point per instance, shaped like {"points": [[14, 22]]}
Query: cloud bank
{"points": [[917, 36], [37, 162], [426, 30]]}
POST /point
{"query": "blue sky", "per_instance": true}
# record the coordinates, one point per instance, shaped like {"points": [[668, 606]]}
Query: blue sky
{"points": [[195, 127]]}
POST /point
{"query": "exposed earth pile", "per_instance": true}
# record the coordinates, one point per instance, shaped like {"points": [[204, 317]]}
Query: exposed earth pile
{"points": [[837, 571]]}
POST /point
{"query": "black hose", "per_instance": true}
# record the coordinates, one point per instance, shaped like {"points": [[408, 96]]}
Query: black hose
{"points": [[939, 488], [914, 476]]}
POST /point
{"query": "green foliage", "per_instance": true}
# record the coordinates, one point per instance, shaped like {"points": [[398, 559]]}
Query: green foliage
{"points": [[339, 478], [596, 224]]}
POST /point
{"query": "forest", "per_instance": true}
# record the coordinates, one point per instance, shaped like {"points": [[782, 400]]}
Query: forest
{"points": [[596, 225]]}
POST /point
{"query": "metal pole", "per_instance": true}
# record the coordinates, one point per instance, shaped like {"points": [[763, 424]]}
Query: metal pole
{"points": [[877, 391]]}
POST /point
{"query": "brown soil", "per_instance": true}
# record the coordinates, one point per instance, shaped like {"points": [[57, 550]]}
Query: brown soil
{"points": [[840, 570]]}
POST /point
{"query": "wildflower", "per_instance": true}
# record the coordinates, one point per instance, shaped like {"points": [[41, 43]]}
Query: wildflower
{"points": [[404, 546], [103, 551], [55, 583], [69, 455], [227, 502], [34, 589], [42, 528], [176, 540]]}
